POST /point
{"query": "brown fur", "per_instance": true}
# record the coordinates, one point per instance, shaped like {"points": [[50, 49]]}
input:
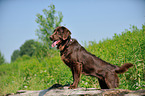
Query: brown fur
{"points": [[81, 61]]}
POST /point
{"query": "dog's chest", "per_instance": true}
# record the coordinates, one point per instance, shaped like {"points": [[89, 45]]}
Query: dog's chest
{"points": [[66, 58], [63, 58]]}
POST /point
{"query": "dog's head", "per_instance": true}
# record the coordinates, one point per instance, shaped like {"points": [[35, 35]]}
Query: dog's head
{"points": [[60, 35]]}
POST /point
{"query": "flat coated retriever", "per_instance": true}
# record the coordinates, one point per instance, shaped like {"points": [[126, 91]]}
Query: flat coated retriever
{"points": [[81, 61]]}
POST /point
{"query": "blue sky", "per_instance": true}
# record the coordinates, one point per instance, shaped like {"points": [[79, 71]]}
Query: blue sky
{"points": [[88, 20]]}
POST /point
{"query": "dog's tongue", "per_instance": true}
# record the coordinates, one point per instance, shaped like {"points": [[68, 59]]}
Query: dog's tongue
{"points": [[54, 43]]}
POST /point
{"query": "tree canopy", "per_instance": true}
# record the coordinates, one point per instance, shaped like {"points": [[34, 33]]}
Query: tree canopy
{"points": [[2, 59], [27, 48], [47, 23], [15, 55]]}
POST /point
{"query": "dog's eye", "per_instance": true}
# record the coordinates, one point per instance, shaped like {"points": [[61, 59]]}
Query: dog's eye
{"points": [[58, 33]]}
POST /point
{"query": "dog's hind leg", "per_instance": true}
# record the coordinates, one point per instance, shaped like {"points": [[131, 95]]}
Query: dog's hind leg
{"points": [[103, 84], [112, 80]]}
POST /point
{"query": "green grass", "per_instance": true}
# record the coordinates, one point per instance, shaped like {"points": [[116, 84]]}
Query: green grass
{"points": [[30, 73]]}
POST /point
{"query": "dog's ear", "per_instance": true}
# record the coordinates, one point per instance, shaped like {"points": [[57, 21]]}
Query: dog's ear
{"points": [[66, 33]]}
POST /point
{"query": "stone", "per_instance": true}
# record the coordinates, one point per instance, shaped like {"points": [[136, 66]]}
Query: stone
{"points": [[59, 90]]}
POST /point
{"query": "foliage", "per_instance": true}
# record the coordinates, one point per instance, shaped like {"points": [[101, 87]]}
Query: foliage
{"points": [[48, 23], [15, 55], [28, 73], [27, 48], [2, 59], [42, 51]]}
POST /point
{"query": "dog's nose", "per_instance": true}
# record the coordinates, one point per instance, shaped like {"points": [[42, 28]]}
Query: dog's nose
{"points": [[50, 38]]}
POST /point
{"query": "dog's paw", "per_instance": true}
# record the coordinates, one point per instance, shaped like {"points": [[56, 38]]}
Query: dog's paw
{"points": [[72, 87]]}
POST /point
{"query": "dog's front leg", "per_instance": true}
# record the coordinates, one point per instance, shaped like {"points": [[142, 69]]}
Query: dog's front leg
{"points": [[76, 72]]}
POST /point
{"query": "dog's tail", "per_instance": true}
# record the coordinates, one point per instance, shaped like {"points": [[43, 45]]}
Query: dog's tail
{"points": [[123, 68]]}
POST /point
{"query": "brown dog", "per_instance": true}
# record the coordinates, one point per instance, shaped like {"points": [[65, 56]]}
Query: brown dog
{"points": [[81, 61]]}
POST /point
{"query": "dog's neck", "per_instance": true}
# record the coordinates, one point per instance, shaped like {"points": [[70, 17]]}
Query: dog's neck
{"points": [[64, 44]]}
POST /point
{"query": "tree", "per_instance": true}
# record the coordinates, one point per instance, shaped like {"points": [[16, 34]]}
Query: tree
{"points": [[15, 55], [47, 24], [2, 60], [28, 48]]}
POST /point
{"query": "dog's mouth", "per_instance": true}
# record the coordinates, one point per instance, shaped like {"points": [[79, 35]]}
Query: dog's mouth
{"points": [[56, 42]]}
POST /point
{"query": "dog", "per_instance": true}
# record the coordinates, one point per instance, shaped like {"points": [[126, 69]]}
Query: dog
{"points": [[81, 61]]}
